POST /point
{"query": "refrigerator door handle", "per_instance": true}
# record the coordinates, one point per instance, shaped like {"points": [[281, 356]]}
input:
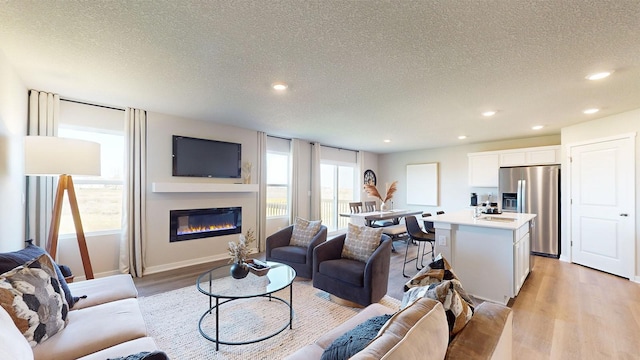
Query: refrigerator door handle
{"points": [[519, 197], [523, 191]]}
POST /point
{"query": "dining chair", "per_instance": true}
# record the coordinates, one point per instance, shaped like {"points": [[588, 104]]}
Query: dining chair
{"points": [[355, 207], [421, 238], [369, 206]]}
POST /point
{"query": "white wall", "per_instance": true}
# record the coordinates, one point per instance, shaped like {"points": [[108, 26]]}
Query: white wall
{"points": [[454, 192], [13, 127], [160, 253], [624, 123]]}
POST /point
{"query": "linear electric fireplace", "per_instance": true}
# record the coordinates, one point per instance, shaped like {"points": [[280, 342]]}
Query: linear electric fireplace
{"points": [[203, 223]]}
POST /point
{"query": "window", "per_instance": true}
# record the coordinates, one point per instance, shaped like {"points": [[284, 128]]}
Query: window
{"points": [[338, 183], [277, 184], [278, 175], [99, 197]]}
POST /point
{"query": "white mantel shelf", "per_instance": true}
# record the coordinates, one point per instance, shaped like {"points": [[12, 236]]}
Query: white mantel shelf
{"points": [[182, 187]]}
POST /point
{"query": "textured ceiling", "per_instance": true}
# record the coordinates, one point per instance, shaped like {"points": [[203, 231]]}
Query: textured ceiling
{"points": [[416, 72]]}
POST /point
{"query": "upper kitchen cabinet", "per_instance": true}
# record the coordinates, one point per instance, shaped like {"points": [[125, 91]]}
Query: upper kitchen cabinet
{"points": [[544, 155], [484, 166], [483, 169]]}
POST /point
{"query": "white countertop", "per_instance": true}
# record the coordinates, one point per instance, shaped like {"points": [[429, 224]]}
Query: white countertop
{"points": [[500, 221]]}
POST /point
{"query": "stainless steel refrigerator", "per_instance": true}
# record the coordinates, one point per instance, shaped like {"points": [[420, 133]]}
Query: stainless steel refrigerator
{"points": [[535, 190]]}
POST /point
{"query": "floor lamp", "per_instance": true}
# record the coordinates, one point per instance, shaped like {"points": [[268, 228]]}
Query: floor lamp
{"points": [[54, 156]]}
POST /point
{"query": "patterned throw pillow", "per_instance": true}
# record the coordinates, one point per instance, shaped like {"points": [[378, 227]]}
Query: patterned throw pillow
{"points": [[32, 296], [304, 231], [458, 306], [435, 272], [11, 260], [361, 242]]}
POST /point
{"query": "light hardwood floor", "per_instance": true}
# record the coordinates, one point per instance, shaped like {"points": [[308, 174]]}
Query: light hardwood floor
{"points": [[563, 311]]}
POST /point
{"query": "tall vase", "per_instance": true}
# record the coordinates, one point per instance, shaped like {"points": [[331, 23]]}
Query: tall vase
{"points": [[239, 270], [383, 206]]}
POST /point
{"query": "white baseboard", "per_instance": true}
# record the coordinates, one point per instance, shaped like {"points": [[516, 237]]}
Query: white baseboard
{"points": [[178, 265], [564, 258]]}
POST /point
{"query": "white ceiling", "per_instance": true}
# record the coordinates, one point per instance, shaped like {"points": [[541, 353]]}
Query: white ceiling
{"points": [[416, 72]]}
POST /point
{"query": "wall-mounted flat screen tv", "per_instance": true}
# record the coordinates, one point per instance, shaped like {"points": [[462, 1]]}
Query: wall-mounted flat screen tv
{"points": [[206, 158]]}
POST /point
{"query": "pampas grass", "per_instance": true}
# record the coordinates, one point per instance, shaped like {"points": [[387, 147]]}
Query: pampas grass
{"points": [[373, 191]]}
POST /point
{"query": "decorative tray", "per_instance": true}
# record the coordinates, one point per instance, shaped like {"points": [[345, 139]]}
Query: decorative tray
{"points": [[259, 268]]}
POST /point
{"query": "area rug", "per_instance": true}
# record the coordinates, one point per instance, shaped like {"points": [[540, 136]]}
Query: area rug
{"points": [[172, 320]]}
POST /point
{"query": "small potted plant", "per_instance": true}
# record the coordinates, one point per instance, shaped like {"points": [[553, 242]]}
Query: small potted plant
{"points": [[239, 252]]}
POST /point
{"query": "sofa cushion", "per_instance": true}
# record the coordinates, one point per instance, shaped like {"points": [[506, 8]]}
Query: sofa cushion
{"points": [[304, 231], [354, 340], [129, 347], [103, 290], [418, 331], [32, 296], [13, 345], [93, 329], [458, 306], [361, 242], [14, 259]]}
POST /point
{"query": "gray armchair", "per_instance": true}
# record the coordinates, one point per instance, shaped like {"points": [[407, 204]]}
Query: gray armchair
{"points": [[359, 282], [298, 257]]}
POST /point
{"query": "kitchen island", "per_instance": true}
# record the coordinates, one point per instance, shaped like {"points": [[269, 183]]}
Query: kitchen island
{"points": [[489, 254]]}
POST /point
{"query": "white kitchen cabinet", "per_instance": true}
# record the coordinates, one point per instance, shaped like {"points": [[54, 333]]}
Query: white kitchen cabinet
{"points": [[484, 166], [483, 169], [543, 155], [521, 255]]}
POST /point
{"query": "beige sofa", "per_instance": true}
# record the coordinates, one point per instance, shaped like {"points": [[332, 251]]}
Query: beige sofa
{"points": [[106, 324], [420, 331]]}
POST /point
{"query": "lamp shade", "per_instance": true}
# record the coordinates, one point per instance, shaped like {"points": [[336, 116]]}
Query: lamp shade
{"points": [[50, 156]]}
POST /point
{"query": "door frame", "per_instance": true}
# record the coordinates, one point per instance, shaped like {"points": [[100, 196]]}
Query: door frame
{"points": [[630, 268]]}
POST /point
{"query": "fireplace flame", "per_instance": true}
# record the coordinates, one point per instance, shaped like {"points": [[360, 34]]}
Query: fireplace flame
{"points": [[202, 229]]}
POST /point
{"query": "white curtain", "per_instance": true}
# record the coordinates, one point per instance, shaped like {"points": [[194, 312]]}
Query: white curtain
{"points": [[261, 168], [44, 110], [133, 239], [295, 179], [316, 201], [360, 168]]}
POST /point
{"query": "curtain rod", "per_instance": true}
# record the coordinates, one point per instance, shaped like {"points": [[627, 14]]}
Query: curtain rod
{"points": [[313, 143], [335, 147], [96, 105]]}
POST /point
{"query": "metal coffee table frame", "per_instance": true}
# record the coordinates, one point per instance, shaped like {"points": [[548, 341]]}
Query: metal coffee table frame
{"points": [[221, 299]]}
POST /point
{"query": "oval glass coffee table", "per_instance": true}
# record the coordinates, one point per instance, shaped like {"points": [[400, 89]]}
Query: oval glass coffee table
{"points": [[221, 288]]}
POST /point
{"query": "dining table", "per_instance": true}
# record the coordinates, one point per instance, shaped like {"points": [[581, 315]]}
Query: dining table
{"points": [[367, 218]]}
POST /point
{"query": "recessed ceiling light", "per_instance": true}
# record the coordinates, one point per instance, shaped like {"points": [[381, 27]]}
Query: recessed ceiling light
{"points": [[279, 86], [462, 137], [537, 127], [598, 76], [387, 140], [591, 111], [488, 113]]}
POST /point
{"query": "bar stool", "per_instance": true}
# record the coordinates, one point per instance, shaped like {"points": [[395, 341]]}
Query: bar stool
{"points": [[421, 238]]}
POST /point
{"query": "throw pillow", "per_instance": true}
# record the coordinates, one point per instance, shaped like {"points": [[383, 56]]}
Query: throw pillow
{"points": [[435, 272], [354, 340], [14, 259], [304, 231], [145, 355], [361, 242], [457, 304], [33, 298]]}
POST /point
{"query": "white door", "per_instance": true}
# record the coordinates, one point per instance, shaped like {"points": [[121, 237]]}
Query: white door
{"points": [[602, 205]]}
